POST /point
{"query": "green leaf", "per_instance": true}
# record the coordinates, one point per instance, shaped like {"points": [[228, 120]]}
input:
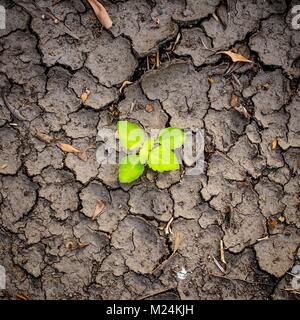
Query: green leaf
{"points": [[130, 134], [130, 169], [171, 138], [163, 159], [145, 150]]}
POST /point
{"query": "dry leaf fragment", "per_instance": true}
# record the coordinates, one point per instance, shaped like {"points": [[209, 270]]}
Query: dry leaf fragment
{"points": [[177, 241], [235, 57], [234, 101], [83, 245], [22, 297], [84, 95], [272, 223], [241, 109], [68, 148], [3, 166], [149, 108], [211, 81], [74, 245], [152, 59], [100, 207], [42, 136], [101, 13], [281, 219], [274, 144], [124, 84], [71, 245]]}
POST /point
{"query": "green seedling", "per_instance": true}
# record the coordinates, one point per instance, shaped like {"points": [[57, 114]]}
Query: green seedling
{"points": [[158, 154]]}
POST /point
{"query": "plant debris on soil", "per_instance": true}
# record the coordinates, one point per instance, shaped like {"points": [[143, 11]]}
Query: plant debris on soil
{"points": [[69, 229]]}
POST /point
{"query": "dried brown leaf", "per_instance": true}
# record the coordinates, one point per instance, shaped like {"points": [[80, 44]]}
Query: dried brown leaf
{"points": [[152, 59], [234, 101], [149, 108], [3, 166], [272, 223], [241, 109], [44, 137], [235, 57], [101, 13], [177, 241], [71, 245], [68, 148], [211, 81], [99, 208], [84, 95], [22, 297], [83, 245]]}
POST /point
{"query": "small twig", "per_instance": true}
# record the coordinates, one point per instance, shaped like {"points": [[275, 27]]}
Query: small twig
{"points": [[295, 291], [236, 80], [205, 46], [155, 293], [264, 238], [167, 228], [219, 265], [215, 17], [176, 41], [222, 255], [157, 59], [249, 282], [294, 275]]}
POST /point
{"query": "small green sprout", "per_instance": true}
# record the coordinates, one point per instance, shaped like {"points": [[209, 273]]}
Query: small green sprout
{"points": [[159, 153]]}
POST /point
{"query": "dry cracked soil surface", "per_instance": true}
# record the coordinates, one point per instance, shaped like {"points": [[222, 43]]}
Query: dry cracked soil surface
{"points": [[248, 195]]}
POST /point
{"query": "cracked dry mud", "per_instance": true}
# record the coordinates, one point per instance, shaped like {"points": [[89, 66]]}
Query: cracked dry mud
{"points": [[247, 196]]}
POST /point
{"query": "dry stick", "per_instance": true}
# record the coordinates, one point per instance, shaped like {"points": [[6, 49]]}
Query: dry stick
{"points": [[250, 282], [155, 293], [222, 255], [236, 80], [218, 265]]}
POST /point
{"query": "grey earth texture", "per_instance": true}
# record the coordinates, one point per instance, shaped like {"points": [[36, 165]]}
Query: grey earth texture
{"points": [[247, 198]]}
